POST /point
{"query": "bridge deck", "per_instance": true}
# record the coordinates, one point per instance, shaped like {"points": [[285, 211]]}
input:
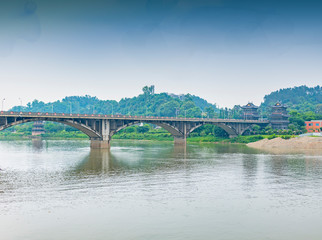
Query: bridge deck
{"points": [[124, 117]]}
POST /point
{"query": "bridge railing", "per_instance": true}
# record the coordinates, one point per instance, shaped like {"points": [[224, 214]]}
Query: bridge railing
{"points": [[119, 116]]}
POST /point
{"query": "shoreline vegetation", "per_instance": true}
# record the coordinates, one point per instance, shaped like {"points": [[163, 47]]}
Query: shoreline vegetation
{"points": [[146, 136]]}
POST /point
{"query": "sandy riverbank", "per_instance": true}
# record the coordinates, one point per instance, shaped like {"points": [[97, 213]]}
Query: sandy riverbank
{"points": [[299, 144]]}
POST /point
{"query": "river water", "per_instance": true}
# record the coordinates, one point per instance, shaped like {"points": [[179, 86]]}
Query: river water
{"points": [[154, 190]]}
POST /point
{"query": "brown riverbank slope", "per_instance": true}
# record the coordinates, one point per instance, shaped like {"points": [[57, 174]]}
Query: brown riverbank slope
{"points": [[290, 145]]}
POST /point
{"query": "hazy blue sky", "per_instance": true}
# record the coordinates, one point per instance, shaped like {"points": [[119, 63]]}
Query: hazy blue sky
{"points": [[226, 51]]}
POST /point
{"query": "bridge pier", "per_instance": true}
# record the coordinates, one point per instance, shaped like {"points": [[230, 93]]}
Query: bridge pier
{"points": [[180, 140], [100, 144], [105, 132]]}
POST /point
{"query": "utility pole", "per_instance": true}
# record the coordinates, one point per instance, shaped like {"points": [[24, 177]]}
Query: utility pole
{"points": [[20, 104], [2, 104], [70, 104], [112, 108]]}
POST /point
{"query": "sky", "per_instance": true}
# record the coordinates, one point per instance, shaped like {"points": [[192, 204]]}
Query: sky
{"points": [[228, 52]]}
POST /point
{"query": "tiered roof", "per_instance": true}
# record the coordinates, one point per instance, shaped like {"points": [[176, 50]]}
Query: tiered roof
{"points": [[249, 106]]}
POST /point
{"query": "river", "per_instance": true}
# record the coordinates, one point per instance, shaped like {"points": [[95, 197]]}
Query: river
{"points": [[154, 190]]}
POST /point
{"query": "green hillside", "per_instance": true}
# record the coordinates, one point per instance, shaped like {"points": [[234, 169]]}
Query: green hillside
{"points": [[147, 103], [302, 99]]}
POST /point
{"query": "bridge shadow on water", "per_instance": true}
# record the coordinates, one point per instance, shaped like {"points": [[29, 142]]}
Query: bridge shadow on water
{"points": [[122, 159], [147, 157]]}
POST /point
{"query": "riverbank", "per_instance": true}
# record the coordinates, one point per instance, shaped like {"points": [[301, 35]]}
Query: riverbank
{"points": [[293, 145], [148, 136], [52, 136]]}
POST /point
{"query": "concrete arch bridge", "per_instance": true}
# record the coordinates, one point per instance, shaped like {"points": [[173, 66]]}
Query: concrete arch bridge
{"points": [[100, 128]]}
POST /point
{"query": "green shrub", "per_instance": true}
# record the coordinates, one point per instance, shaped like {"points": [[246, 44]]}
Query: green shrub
{"points": [[271, 136]]}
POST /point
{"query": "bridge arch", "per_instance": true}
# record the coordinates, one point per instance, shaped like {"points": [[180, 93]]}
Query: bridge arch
{"points": [[123, 127], [82, 127], [228, 129], [246, 129], [174, 131]]}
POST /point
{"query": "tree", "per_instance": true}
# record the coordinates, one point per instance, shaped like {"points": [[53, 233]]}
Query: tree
{"points": [[187, 105], [194, 112], [151, 89], [210, 112], [148, 90], [318, 109], [145, 90], [237, 112], [169, 109], [255, 129], [292, 127], [143, 129], [130, 129]]}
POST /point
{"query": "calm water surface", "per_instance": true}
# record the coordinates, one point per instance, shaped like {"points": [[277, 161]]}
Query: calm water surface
{"points": [[153, 190]]}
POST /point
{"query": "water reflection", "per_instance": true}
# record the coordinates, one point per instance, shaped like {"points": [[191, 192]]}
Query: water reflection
{"points": [[98, 160], [293, 166], [224, 148], [179, 151], [250, 168], [293, 151], [37, 144], [138, 158], [147, 157]]}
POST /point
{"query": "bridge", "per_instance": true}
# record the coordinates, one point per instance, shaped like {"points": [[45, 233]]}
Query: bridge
{"points": [[100, 128]]}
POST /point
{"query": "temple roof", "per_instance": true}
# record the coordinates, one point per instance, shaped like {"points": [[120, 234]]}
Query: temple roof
{"points": [[279, 105], [249, 105]]}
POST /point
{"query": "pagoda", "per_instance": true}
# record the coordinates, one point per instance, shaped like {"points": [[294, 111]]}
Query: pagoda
{"points": [[279, 116], [38, 128], [250, 112]]}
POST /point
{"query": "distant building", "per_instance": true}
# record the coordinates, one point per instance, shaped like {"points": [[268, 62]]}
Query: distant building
{"points": [[279, 116], [180, 96], [38, 128], [313, 126], [250, 112]]}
